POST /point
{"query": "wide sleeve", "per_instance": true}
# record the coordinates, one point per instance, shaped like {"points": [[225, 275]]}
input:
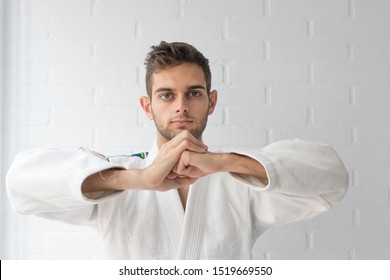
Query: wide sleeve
{"points": [[304, 179], [47, 182]]}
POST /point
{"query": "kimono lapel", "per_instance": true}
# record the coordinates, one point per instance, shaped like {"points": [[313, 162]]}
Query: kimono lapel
{"points": [[173, 213], [170, 206], [194, 220]]}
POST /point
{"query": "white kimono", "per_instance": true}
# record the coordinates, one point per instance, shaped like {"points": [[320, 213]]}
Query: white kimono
{"points": [[225, 213]]}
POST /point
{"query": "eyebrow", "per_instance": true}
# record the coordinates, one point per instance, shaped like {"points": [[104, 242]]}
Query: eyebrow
{"points": [[196, 87], [165, 89]]}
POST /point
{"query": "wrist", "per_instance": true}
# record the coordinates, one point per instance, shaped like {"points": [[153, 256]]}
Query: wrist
{"points": [[224, 161], [242, 164], [144, 178]]}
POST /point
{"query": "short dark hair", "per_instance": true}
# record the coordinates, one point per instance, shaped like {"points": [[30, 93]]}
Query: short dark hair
{"points": [[167, 55]]}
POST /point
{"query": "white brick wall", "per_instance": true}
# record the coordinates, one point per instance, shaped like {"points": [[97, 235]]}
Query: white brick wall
{"points": [[310, 69]]}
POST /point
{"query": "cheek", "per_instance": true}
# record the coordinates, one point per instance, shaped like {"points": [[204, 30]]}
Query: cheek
{"points": [[161, 109], [157, 114]]}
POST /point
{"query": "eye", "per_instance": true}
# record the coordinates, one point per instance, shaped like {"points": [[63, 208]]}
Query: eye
{"points": [[194, 93], [166, 96]]}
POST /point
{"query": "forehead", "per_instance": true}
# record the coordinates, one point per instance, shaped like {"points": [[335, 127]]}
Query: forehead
{"points": [[178, 76]]}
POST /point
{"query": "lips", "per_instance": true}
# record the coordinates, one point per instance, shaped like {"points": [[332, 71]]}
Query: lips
{"points": [[182, 121]]}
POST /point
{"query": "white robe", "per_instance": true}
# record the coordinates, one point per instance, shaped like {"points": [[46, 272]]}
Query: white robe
{"points": [[224, 216]]}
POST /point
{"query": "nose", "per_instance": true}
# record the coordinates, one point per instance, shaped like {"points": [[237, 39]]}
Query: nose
{"points": [[181, 105]]}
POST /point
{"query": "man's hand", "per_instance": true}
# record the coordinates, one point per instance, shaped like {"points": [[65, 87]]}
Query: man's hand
{"points": [[155, 177], [180, 162], [196, 165]]}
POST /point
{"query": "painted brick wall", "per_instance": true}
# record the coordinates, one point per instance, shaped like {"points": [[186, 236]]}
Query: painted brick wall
{"points": [[311, 69]]}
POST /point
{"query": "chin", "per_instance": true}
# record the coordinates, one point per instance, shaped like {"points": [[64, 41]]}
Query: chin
{"points": [[170, 134]]}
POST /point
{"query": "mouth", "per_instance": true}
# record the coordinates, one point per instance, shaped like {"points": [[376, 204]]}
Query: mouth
{"points": [[182, 122]]}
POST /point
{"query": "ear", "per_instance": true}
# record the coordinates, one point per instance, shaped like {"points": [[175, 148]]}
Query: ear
{"points": [[213, 96], [146, 106]]}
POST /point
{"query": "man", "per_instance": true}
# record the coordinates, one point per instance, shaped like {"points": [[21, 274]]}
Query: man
{"points": [[182, 201]]}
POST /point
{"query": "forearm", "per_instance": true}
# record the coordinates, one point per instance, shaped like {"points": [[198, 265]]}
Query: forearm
{"points": [[132, 179], [113, 180], [241, 164]]}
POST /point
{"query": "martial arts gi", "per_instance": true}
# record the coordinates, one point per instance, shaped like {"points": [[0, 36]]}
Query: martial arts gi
{"points": [[224, 216]]}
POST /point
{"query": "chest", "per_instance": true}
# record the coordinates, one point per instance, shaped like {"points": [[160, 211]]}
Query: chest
{"points": [[199, 221], [183, 194]]}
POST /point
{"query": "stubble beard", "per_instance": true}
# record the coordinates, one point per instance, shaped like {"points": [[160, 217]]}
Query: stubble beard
{"points": [[169, 134]]}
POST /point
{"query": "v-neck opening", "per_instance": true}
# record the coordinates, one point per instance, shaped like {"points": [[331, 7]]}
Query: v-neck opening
{"points": [[185, 225], [184, 199]]}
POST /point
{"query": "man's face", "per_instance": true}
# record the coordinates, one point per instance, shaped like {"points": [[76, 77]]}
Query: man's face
{"points": [[179, 101]]}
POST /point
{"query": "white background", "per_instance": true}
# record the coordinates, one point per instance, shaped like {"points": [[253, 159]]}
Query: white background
{"points": [[310, 69]]}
